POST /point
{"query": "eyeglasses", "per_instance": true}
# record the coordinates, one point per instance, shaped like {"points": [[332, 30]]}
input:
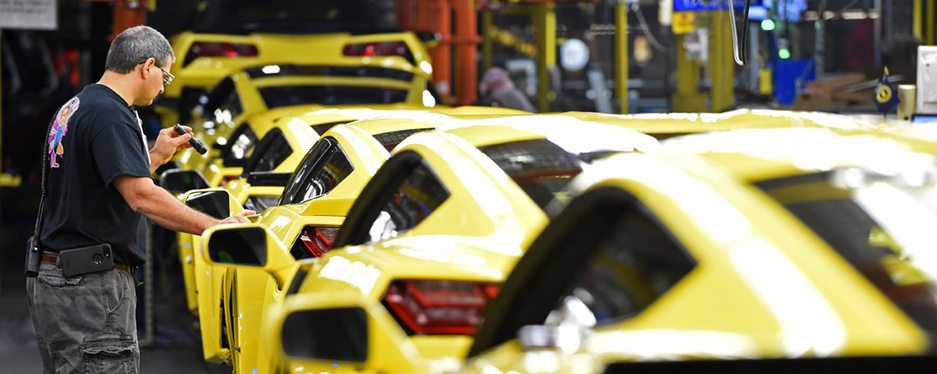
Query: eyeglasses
{"points": [[167, 77]]}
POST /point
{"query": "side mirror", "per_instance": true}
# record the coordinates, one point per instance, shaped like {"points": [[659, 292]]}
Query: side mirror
{"points": [[238, 246], [177, 181], [214, 202], [339, 334], [314, 332], [248, 245]]}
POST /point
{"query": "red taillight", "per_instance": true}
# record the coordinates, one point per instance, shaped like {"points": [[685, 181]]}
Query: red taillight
{"points": [[439, 307], [377, 49], [219, 49], [318, 240]]}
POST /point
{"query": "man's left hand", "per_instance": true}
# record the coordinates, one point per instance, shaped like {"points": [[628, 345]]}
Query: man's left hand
{"points": [[168, 143]]}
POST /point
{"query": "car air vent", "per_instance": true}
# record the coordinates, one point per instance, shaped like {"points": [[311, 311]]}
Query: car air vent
{"points": [[390, 139], [268, 178]]}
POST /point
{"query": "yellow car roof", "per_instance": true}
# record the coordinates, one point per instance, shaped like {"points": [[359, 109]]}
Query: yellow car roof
{"points": [[570, 133], [756, 154], [680, 123]]}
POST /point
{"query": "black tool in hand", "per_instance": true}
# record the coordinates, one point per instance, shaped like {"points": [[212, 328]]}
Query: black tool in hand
{"points": [[194, 142]]}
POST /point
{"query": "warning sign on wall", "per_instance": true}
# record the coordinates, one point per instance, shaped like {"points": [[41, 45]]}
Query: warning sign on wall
{"points": [[29, 14], [683, 22]]}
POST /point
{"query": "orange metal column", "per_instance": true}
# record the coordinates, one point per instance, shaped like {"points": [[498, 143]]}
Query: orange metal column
{"points": [[432, 16], [437, 16], [466, 40], [127, 14], [441, 10]]}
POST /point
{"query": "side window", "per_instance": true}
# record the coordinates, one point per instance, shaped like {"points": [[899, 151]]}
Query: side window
{"points": [[271, 151], [419, 194], [324, 167], [232, 104], [636, 262], [240, 146], [224, 103], [217, 95]]}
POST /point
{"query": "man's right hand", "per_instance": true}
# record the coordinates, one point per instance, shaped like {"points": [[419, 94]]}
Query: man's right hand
{"points": [[239, 218]]}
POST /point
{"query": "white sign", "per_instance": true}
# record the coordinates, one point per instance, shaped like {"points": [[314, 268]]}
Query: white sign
{"points": [[29, 14]]}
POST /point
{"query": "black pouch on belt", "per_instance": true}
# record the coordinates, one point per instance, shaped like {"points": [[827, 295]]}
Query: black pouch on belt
{"points": [[84, 260], [33, 257]]}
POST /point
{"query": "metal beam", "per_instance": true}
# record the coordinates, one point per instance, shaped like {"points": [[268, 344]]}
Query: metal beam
{"points": [[545, 25], [929, 23], [487, 42], [621, 55], [687, 98], [721, 65], [6, 180]]}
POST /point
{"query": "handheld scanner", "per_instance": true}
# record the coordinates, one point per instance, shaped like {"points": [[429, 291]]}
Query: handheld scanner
{"points": [[195, 142]]}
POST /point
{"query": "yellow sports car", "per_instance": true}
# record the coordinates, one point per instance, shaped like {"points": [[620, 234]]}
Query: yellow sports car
{"points": [[312, 206], [280, 152], [777, 244], [239, 110], [263, 179], [480, 183], [344, 39]]}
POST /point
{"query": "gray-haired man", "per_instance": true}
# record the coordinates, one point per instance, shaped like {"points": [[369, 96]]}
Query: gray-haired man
{"points": [[99, 190]]}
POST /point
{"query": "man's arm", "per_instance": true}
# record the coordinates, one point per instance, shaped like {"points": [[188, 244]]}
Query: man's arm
{"points": [[158, 205]]}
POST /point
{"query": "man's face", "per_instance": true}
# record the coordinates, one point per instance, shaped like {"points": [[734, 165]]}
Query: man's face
{"points": [[155, 82]]}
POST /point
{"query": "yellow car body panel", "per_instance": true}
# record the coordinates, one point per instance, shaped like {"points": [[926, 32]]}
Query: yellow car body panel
{"points": [[202, 279], [782, 290], [205, 72], [300, 138]]}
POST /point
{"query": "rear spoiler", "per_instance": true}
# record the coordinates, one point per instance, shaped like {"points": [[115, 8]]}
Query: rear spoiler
{"points": [[289, 70]]}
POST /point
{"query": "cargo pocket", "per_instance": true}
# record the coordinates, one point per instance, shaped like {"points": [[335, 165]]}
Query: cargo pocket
{"points": [[52, 276], [110, 356]]}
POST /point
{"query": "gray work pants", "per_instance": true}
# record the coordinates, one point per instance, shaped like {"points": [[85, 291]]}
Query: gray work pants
{"points": [[85, 323]]}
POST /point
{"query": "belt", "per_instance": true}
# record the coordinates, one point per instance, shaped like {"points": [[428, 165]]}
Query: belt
{"points": [[53, 259]]}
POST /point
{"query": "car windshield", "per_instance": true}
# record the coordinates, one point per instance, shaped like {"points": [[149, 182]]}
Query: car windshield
{"points": [[540, 167], [279, 96], [883, 226], [292, 16]]}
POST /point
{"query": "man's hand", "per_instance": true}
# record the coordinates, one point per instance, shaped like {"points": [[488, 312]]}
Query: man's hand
{"points": [[239, 218], [167, 144]]}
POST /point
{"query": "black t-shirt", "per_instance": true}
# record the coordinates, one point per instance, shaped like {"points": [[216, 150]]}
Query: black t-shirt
{"points": [[95, 138]]}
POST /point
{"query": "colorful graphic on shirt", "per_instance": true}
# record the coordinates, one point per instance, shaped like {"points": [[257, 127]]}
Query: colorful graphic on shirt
{"points": [[59, 129]]}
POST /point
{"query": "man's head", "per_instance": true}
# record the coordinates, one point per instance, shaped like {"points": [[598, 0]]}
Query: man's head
{"points": [[142, 57], [495, 79]]}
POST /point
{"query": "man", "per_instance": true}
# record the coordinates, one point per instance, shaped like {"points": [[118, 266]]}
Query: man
{"points": [[497, 89], [99, 190]]}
